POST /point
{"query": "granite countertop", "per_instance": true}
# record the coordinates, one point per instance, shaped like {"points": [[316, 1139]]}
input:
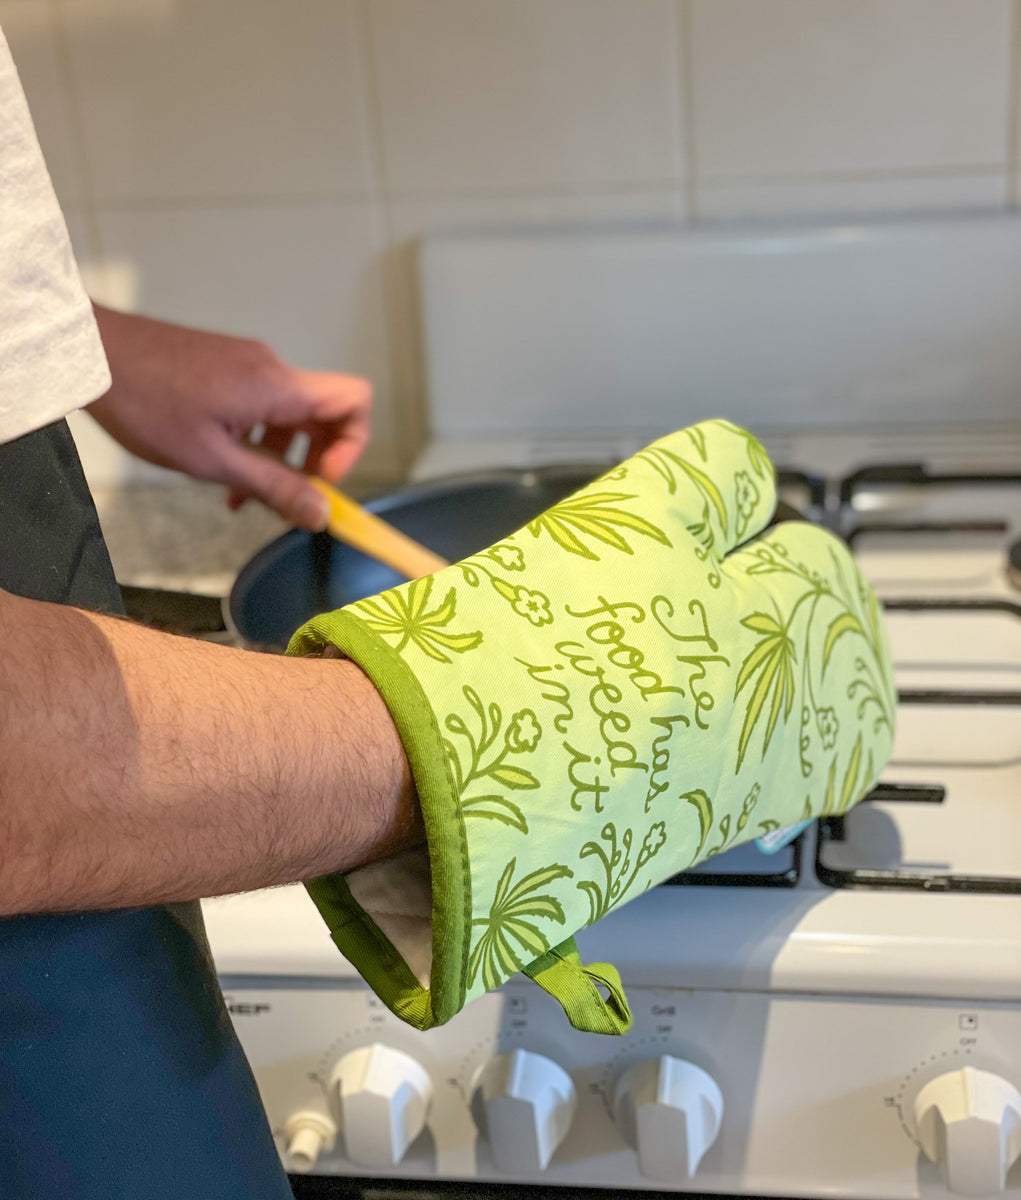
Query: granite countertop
{"points": [[181, 536]]}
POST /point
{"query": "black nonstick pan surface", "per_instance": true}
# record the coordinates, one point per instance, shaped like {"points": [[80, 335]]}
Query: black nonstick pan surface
{"points": [[301, 574]]}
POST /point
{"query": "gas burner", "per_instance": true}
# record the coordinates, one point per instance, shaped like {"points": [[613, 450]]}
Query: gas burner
{"points": [[804, 493], [957, 647], [892, 477], [746, 866], [1014, 564], [925, 534], [945, 818]]}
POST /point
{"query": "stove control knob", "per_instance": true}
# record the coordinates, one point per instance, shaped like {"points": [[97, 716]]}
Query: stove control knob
{"points": [[523, 1104], [969, 1122], [383, 1098], [670, 1111], [308, 1133]]}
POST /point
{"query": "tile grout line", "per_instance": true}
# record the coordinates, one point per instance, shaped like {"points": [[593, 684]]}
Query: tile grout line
{"points": [[1013, 104], [601, 188], [676, 103], [401, 368], [685, 61], [62, 52]]}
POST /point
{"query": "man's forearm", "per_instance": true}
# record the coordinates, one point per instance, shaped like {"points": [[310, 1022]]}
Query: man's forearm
{"points": [[136, 767]]}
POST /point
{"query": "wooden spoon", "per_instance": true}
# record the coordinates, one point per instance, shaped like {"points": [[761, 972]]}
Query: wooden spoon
{"points": [[357, 527]]}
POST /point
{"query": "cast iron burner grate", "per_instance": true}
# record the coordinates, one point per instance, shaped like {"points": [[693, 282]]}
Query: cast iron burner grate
{"points": [[785, 875], [833, 829], [917, 475]]}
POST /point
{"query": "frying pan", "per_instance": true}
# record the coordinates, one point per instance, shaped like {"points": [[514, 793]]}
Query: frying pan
{"points": [[301, 574]]}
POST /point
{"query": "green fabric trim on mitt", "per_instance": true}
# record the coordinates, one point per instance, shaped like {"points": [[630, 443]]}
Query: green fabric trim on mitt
{"points": [[561, 974], [358, 937]]}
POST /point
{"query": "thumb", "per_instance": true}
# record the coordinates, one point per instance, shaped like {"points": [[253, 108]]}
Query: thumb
{"points": [[277, 485]]}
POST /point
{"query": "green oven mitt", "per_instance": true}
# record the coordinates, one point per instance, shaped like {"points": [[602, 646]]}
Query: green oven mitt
{"points": [[618, 691]]}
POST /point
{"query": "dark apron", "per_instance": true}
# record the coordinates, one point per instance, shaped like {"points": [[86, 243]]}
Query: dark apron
{"points": [[120, 1073]]}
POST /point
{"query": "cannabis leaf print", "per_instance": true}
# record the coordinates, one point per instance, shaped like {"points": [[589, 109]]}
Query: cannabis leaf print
{"points": [[593, 515], [403, 614], [857, 614], [772, 660], [509, 941], [671, 466]]}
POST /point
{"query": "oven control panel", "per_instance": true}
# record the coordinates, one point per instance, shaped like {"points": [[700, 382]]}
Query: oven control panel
{"points": [[733, 1092]]}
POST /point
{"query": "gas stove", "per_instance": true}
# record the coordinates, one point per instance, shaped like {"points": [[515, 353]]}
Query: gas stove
{"points": [[840, 1018]]}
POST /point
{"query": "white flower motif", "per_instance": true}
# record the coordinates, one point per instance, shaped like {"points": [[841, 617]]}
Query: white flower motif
{"points": [[747, 495], [509, 557], [654, 840], [524, 731], [533, 605], [829, 727]]}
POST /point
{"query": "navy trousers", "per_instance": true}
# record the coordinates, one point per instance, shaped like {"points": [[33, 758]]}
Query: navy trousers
{"points": [[121, 1077]]}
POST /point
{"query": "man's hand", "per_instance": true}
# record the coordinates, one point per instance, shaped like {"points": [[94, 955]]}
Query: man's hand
{"points": [[187, 399]]}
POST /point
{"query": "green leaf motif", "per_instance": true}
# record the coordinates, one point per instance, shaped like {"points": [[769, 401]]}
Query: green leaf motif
{"points": [[509, 942], [593, 515], [403, 613], [495, 808], [507, 590], [845, 623], [619, 870], [664, 461], [759, 459], [757, 455], [746, 497], [762, 623], [772, 660], [724, 837], [697, 436], [703, 806], [849, 791], [513, 777], [484, 758], [830, 782]]}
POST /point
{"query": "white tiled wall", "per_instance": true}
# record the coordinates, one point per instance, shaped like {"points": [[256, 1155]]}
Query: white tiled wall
{"points": [[265, 167]]}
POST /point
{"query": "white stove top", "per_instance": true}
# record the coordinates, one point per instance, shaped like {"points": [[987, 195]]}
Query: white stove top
{"points": [[933, 540], [829, 990], [855, 1000]]}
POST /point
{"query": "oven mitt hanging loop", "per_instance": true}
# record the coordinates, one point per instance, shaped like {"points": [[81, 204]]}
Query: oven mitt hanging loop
{"points": [[579, 989], [618, 691]]}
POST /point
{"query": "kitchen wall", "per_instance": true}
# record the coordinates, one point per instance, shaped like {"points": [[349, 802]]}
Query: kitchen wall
{"points": [[265, 167]]}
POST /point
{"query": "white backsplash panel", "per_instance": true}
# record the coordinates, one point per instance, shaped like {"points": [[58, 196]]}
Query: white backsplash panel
{"points": [[849, 327]]}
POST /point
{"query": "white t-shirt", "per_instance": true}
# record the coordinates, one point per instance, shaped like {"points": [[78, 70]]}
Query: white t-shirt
{"points": [[51, 356]]}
